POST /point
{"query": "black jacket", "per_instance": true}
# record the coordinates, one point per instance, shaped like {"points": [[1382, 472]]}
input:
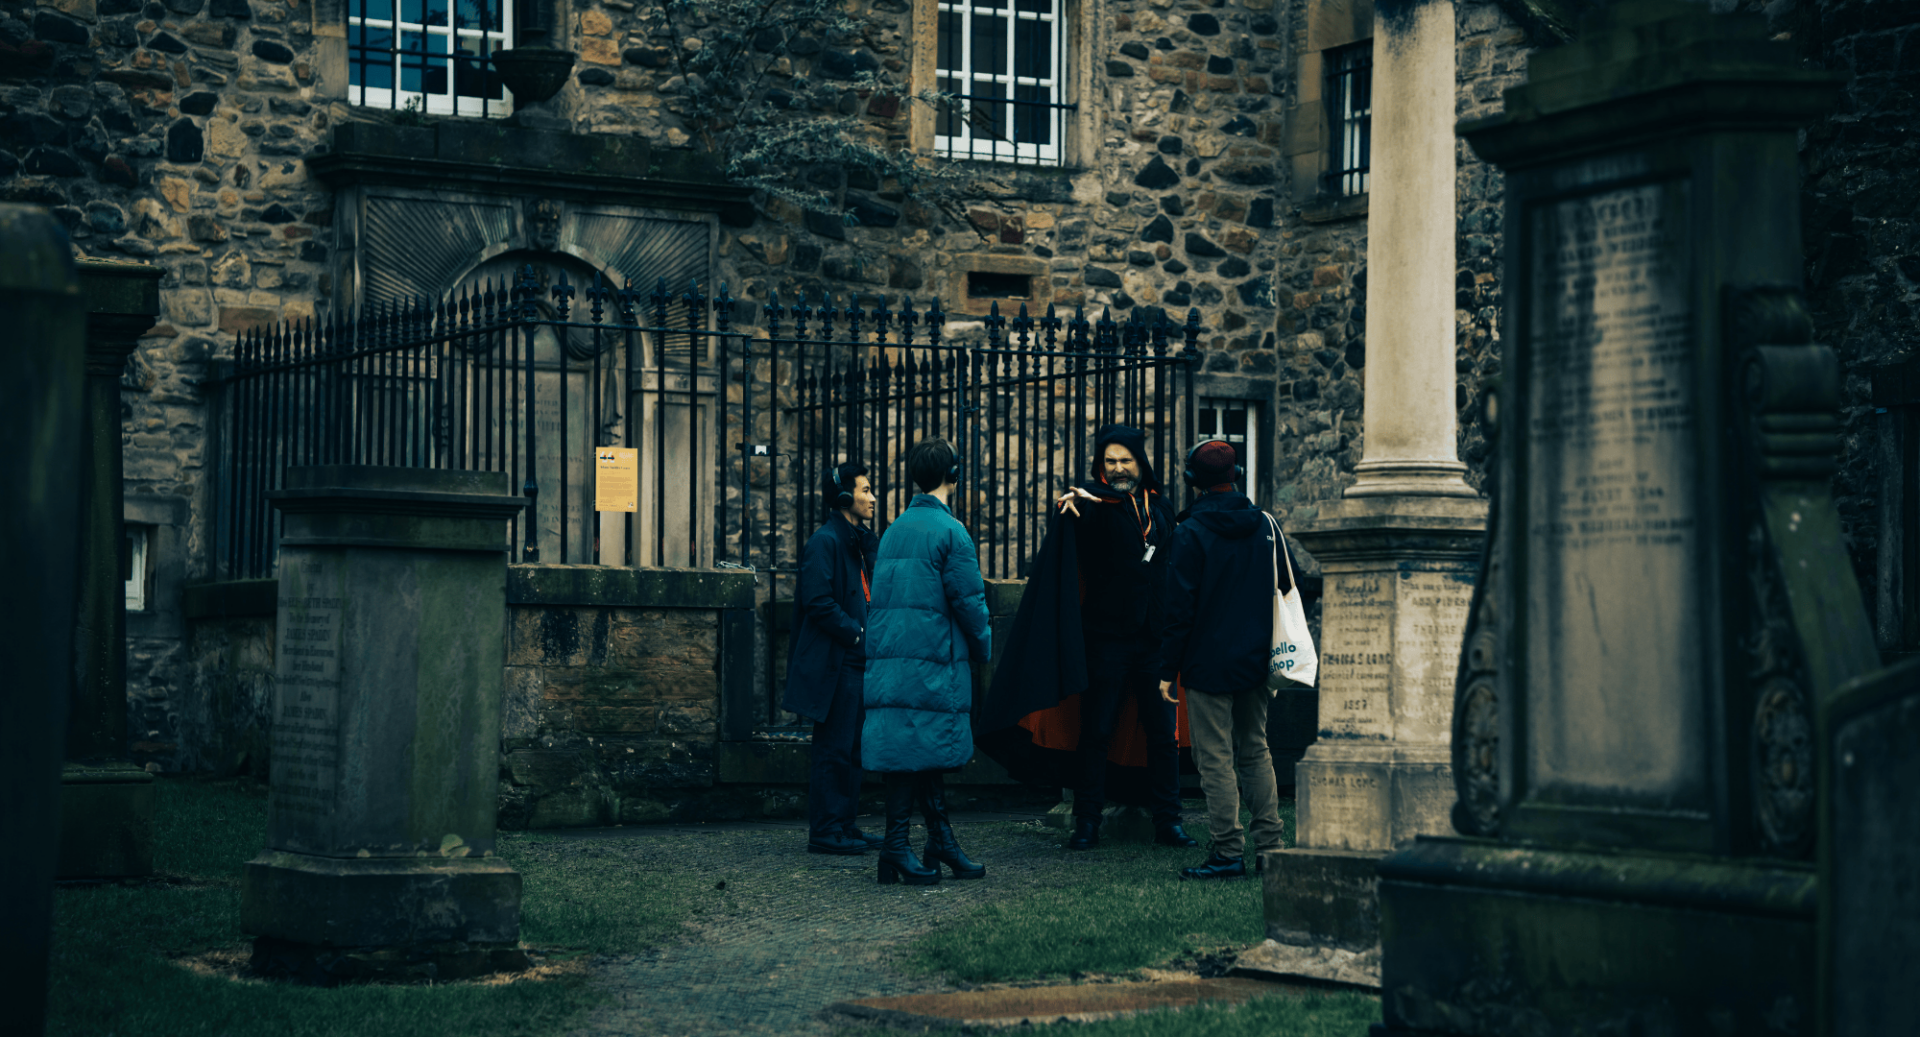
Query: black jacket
{"points": [[830, 614], [1123, 587], [1218, 626]]}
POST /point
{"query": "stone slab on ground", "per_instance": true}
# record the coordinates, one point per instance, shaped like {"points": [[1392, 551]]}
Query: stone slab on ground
{"points": [[1273, 960], [1079, 1002]]}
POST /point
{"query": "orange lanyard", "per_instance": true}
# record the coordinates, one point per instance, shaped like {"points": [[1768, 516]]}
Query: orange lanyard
{"points": [[865, 586]]}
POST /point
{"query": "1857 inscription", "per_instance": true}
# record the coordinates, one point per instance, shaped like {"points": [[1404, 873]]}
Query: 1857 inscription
{"points": [[306, 732], [1610, 466]]}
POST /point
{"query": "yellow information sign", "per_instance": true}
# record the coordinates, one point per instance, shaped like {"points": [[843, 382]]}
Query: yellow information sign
{"points": [[616, 479]]}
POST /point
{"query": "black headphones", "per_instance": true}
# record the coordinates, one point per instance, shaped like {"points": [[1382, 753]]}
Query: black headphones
{"points": [[953, 473], [1186, 466], [842, 493]]}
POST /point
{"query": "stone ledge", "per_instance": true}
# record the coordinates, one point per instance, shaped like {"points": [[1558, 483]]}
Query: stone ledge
{"points": [[379, 901], [1322, 898], [608, 587]]}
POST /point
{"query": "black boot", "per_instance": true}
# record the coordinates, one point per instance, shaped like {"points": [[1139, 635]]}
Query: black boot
{"points": [[1086, 834], [1171, 834], [942, 847], [897, 862], [1217, 867]]}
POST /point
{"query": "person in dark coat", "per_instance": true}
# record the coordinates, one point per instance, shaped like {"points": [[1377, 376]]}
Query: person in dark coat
{"points": [[826, 660], [1221, 579], [927, 621], [1123, 528]]}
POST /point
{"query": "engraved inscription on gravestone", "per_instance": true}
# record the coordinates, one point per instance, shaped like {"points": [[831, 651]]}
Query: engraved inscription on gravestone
{"points": [[306, 729], [1610, 458], [1426, 640], [1356, 668]]}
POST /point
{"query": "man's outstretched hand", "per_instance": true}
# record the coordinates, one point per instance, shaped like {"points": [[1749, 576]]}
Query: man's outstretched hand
{"points": [[1066, 500], [1166, 691]]}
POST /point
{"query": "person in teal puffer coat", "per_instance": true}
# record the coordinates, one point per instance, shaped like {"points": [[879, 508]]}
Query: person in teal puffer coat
{"points": [[926, 622]]}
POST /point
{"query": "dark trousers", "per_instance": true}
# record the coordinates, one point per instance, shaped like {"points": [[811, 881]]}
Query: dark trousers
{"points": [[833, 782], [1119, 668]]}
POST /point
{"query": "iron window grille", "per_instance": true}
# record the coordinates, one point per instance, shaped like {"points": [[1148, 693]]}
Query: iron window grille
{"points": [[1234, 421], [433, 56], [1004, 64], [1349, 118]]}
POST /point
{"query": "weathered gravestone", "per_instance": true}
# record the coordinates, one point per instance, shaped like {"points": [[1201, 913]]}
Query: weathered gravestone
{"points": [[1668, 595], [106, 801], [391, 639], [41, 422], [1870, 854]]}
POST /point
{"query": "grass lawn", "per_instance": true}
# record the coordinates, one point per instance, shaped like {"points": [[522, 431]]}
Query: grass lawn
{"points": [[1128, 911], [114, 945]]}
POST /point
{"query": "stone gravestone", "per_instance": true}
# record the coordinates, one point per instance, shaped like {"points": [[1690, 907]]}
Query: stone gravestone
{"points": [[41, 420], [1870, 854], [389, 657], [106, 801], [1667, 597]]}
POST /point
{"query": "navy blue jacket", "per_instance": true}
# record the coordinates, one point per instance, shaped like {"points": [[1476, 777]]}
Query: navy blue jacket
{"points": [[830, 615], [1219, 604], [927, 621]]}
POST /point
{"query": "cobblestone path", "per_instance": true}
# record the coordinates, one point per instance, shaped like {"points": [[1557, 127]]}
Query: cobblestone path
{"points": [[808, 930]]}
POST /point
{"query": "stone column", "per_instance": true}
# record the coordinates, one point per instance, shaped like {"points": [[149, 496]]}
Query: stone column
{"points": [[1401, 550], [41, 422], [1411, 444], [391, 639], [106, 802]]}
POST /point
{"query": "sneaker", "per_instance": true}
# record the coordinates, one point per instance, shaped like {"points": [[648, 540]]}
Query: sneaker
{"points": [[1086, 834], [1217, 867]]}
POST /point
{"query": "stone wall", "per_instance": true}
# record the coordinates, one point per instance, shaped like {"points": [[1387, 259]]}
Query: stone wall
{"points": [[1860, 218]]}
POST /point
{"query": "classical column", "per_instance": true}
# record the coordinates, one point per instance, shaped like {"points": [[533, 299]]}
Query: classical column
{"points": [[1411, 444], [41, 422], [106, 801], [1399, 552], [389, 655]]}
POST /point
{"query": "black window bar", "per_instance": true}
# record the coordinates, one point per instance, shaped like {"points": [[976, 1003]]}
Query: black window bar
{"points": [[415, 48], [986, 117], [1349, 92]]}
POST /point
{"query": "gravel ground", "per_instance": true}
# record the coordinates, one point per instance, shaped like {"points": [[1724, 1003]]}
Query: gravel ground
{"points": [[802, 930]]}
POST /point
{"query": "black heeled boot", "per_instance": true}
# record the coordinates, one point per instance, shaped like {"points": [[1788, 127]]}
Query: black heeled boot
{"points": [[897, 862], [942, 847]]}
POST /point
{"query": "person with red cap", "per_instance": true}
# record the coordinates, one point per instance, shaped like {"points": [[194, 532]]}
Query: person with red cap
{"points": [[1217, 632]]}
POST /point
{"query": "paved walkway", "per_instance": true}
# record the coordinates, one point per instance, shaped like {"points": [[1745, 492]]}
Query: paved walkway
{"points": [[812, 929]]}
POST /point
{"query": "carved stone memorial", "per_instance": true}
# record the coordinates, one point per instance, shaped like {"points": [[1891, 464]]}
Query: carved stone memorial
{"points": [[1666, 597], [386, 730]]}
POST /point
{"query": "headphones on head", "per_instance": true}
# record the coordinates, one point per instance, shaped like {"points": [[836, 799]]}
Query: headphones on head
{"points": [[953, 472], [1186, 467], [842, 494]]}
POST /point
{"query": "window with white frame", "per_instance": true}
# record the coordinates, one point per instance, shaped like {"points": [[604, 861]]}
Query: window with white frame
{"points": [[1349, 94], [136, 566], [433, 56], [1004, 63], [1236, 422]]}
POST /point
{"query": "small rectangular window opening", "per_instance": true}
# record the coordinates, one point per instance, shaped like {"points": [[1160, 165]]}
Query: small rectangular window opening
{"points": [[134, 567], [982, 284], [1349, 92]]}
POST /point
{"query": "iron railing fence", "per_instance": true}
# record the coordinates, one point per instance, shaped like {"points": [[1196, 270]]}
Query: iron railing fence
{"points": [[733, 430]]}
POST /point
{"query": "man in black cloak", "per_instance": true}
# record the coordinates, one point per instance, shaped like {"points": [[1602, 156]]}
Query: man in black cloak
{"points": [[1096, 583]]}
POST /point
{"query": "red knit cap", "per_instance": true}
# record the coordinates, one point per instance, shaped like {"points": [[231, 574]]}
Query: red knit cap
{"points": [[1213, 463]]}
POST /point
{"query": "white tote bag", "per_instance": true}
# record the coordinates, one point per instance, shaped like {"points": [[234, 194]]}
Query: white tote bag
{"points": [[1292, 658]]}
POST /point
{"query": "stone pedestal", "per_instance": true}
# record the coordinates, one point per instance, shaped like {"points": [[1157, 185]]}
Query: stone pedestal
{"points": [[106, 804], [1399, 575], [41, 421], [1667, 594], [391, 637]]}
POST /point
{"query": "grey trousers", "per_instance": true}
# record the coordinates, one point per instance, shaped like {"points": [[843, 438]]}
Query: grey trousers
{"points": [[1229, 735]]}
